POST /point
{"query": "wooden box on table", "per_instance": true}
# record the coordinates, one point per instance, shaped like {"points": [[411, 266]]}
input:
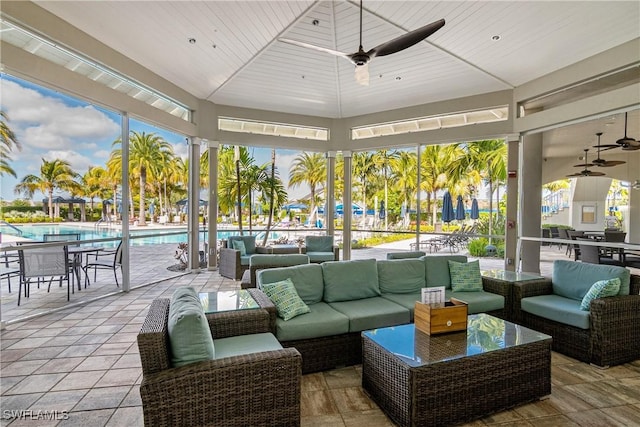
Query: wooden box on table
{"points": [[439, 318]]}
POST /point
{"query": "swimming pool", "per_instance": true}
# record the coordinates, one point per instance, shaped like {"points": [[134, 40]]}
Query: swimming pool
{"points": [[36, 232]]}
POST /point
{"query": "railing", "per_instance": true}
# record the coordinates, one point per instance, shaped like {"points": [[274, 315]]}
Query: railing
{"points": [[11, 226]]}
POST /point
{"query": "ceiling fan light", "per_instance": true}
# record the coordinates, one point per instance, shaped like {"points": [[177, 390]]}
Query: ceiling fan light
{"points": [[362, 74], [636, 184]]}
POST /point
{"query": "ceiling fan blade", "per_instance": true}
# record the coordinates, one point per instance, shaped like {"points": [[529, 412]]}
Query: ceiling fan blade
{"points": [[606, 146], [631, 147], [575, 174], [608, 163], [406, 40], [314, 47], [362, 74]]}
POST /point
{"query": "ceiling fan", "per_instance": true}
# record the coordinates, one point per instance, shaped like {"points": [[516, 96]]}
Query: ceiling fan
{"points": [[361, 58], [627, 143], [585, 172], [602, 162]]}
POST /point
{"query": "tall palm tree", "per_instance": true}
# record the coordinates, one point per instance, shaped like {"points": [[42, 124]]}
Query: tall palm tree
{"points": [[309, 168], [404, 169], [365, 167], [383, 159], [8, 143], [254, 178], [438, 172], [93, 180], [147, 152], [55, 174], [272, 189]]}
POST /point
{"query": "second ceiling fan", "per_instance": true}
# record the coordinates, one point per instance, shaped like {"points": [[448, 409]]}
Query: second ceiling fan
{"points": [[586, 171], [361, 58], [602, 162]]}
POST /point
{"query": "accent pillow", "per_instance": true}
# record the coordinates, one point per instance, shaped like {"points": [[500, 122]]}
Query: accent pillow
{"points": [[189, 333], [239, 246], [283, 294], [465, 277], [600, 289]]}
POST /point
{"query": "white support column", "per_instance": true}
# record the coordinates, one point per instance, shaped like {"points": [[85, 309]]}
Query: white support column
{"points": [[418, 183], [633, 216], [193, 202], [212, 237], [126, 264], [330, 202], [531, 200], [511, 232], [347, 207]]}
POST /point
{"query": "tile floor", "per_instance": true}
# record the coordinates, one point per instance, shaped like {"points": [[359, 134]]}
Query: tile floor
{"points": [[83, 362]]}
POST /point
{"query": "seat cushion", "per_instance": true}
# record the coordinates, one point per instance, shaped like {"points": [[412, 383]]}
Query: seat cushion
{"points": [[478, 302], [306, 278], [284, 260], [405, 254], [319, 243], [245, 344], [371, 313], [600, 289], [284, 296], [349, 280], [245, 259], [321, 256], [573, 280], [401, 276], [437, 269], [408, 301], [465, 276], [321, 321], [189, 333], [557, 308]]}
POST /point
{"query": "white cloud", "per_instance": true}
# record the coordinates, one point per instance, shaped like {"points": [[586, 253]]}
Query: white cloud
{"points": [[78, 162]]}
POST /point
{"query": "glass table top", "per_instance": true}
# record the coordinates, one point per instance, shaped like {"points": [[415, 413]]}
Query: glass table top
{"points": [[215, 302], [510, 276], [484, 334]]}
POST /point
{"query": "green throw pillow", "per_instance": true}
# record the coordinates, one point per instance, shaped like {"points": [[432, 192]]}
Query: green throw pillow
{"points": [[239, 246], [465, 277], [189, 333], [283, 294], [600, 289]]}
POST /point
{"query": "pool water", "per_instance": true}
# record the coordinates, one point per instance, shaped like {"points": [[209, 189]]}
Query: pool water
{"points": [[36, 232]]}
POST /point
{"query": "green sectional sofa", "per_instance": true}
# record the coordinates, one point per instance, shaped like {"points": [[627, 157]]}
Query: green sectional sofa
{"points": [[605, 333], [348, 297]]}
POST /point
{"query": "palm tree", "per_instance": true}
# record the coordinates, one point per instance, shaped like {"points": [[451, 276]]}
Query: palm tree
{"points": [[312, 170], [93, 180], [404, 169], [254, 178], [438, 171], [55, 174], [147, 153], [272, 185], [365, 167], [383, 159], [9, 142]]}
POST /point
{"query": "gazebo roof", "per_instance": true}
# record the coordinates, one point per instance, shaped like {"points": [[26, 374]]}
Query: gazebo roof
{"points": [[60, 199]]}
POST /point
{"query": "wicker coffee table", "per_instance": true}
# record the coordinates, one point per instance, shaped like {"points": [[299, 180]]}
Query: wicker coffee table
{"points": [[422, 380]]}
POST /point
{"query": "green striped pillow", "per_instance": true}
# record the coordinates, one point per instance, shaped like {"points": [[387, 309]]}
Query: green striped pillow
{"points": [[465, 277], [600, 289], [284, 296]]}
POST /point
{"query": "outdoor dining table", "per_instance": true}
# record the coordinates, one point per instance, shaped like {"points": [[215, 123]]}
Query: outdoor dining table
{"points": [[77, 253]]}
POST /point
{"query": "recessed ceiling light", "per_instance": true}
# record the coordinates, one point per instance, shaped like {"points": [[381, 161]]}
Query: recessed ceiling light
{"points": [[495, 38], [214, 46], [315, 22], [192, 40], [398, 78]]}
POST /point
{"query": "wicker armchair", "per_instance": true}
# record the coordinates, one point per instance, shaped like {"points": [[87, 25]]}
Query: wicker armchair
{"points": [[258, 389], [613, 336], [232, 264]]}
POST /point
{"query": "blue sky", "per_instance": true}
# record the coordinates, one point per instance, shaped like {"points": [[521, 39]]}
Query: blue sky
{"points": [[52, 125]]}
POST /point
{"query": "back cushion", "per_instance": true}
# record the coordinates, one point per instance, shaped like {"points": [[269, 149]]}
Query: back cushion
{"points": [[249, 243], [572, 279], [401, 276], [189, 332], [350, 280], [319, 243], [306, 278], [437, 269]]}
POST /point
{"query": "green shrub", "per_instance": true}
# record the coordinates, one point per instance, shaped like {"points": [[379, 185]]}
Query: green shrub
{"points": [[477, 247]]}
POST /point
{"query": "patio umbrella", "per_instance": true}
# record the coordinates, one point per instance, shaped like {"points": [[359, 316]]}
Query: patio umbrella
{"points": [[460, 215], [448, 214], [183, 202], [474, 209]]}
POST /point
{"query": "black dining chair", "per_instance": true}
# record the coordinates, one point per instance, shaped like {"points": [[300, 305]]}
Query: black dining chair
{"points": [[592, 254], [109, 261]]}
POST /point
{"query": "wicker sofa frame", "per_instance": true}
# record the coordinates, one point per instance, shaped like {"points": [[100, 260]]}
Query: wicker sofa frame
{"points": [[330, 352], [259, 389], [613, 336]]}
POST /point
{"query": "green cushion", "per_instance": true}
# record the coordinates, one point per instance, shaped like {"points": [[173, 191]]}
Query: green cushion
{"points": [[249, 243], [189, 333], [321, 321], [306, 278], [557, 308], [405, 254], [279, 260], [437, 269], [465, 277], [245, 259], [574, 279], [349, 280], [239, 246], [478, 302], [321, 256], [284, 296], [319, 243], [401, 275], [371, 313], [245, 344], [408, 301], [600, 289]]}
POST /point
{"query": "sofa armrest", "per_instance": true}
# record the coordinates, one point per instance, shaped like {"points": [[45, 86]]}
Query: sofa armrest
{"points": [[229, 265], [236, 390], [266, 304], [336, 253], [263, 250], [527, 289], [635, 285], [239, 322], [614, 329]]}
